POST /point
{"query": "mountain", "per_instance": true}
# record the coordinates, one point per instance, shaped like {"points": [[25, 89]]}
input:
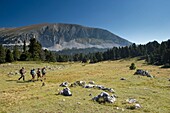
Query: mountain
{"points": [[62, 36]]}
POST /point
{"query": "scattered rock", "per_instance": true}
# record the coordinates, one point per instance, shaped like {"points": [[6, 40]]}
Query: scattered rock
{"points": [[123, 79], [120, 109], [143, 73], [131, 100], [133, 104], [109, 90], [66, 92], [81, 83], [91, 82], [79, 103], [137, 106], [89, 86], [64, 84], [78, 83], [11, 73], [104, 97]]}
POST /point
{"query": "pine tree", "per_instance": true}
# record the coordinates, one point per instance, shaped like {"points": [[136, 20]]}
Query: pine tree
{"points": [[9, 56], [76, 57], [2, 54], [99, 56], [51, 57], [24, 46], [16, 53], [35, 49]]}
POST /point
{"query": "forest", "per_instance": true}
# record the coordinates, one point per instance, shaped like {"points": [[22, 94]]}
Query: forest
{"points": [[153, 52]]}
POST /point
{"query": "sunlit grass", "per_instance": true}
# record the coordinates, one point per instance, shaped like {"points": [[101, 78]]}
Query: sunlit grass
{"points": [[31, 97]]}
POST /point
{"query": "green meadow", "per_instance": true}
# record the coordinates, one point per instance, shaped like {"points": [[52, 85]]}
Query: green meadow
{"points": [[153, 94]]}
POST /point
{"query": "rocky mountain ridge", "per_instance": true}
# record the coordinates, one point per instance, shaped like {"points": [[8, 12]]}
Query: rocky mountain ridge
{"points": [[62, 36]]}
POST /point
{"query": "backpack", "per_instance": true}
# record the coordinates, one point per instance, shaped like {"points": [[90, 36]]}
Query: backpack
{"points": [[32, 72], [21, 71], [43, 71]]}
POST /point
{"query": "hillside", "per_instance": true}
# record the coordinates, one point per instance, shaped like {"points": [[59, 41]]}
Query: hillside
{"points": [[151, 93], [62, 36]]}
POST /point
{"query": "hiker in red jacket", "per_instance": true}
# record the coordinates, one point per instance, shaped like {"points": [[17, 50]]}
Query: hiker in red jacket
{"points": [[38, 73]]}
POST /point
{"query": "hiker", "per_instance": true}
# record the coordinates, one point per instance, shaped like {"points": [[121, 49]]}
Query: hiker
{"points": [[38, 73], [33, 73], [43, 71], [22, 72]]}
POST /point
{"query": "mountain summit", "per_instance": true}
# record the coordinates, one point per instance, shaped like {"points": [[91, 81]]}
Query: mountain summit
{"points": [[62, 36]]}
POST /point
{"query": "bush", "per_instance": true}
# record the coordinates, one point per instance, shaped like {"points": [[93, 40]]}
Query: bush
{"points": [[132, 67]]}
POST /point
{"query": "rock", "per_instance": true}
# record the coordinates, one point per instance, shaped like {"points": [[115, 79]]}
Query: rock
{"points": [[117, 108], [66, 92], [78, 83], [81, 83], [74, 85], [122, 79], [123, 109], [88, 86], [11, 73], [91, 82], [79, 103], [64, 84], [99, 86], [131, 100], [109, 90], [137, 106], [120, 109], [104, 97], [143, 73], [111, 99]]}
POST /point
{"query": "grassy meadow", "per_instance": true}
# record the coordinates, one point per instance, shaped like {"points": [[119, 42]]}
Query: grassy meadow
{"points": [[31, 97]]}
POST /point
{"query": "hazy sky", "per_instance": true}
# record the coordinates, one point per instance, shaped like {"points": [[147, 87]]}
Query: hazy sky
{"points": [[138, 21]]}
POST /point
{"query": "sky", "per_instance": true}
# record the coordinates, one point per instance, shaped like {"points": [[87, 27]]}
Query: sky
{"points": [[138, 21]]}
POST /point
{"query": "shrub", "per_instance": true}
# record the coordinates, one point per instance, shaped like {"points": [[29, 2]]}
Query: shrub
{"points": [[132, 67]]}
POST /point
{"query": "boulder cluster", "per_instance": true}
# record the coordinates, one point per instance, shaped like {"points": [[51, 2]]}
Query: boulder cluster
{"points": [[133, 104], [101, 98], [143, 73], [66, 92], [104, 97]]}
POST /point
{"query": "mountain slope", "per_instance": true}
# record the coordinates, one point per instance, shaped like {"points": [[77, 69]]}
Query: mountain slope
{"points": [[62, 36]]}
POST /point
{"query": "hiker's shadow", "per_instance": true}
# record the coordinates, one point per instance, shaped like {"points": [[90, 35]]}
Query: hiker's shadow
{"points": [[17, 81], [26, 81], [11, 80]]}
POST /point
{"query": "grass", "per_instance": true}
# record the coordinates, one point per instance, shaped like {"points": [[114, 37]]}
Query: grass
{"points": [[30, 97]]}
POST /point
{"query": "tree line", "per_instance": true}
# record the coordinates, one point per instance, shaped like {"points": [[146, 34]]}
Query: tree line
{"points": [[32, 52], [152, 52]]}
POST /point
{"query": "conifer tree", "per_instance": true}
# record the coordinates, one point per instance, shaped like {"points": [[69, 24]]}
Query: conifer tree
{"points": [[24, 46], [2, 54], [9, 56], [16, 53], [35, 49]]}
